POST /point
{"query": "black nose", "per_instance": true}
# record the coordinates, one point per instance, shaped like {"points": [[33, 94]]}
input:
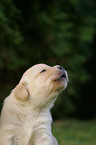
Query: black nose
{"points": [[60, 67]]}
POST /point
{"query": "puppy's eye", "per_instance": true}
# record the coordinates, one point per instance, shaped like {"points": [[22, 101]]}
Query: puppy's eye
{"points": [[43, 71]]}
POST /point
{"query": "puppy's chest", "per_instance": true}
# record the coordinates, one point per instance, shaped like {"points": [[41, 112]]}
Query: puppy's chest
{"points": [[33, 122], [30, 124], [24, 128]]}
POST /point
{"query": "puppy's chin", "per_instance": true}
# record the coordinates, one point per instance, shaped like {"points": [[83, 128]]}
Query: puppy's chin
{"points": [[60, 81], [60, 85]]}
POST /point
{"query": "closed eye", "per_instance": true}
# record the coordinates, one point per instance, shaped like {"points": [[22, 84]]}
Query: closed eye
{"points": [[43, 71]]}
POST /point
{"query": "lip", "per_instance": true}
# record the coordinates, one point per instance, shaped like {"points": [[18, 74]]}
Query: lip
{"points": [[63, 76]]}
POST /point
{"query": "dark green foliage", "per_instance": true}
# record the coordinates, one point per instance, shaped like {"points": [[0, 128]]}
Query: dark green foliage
{"points": [[52, 32]]}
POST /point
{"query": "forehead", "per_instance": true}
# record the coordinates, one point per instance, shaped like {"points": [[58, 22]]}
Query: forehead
{"points": [[35, 70], [40, 67]]}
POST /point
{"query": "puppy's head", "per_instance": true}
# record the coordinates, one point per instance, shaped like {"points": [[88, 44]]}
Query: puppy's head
{"points": [[41, 84]]}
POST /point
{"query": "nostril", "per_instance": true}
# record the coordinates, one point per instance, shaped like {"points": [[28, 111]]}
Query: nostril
{"points": [[60, 67]]}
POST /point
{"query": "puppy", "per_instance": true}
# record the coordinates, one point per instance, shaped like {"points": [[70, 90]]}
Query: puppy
{"points": [[25, 117]]}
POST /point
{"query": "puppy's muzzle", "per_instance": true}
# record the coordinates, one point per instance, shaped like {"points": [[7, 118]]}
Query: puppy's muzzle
{"points": [[63, 74]]}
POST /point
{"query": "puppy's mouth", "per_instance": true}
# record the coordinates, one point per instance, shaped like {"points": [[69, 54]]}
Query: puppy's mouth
{"points": [[63, 76]]}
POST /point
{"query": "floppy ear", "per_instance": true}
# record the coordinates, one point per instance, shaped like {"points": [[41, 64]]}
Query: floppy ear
{"points": [[21, 92]]}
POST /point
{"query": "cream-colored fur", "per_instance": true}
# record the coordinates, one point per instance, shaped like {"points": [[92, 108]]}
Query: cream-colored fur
{"points": [[25, 117]]}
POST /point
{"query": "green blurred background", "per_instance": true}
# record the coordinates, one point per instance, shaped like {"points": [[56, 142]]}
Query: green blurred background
{"points": [[52, 32]]}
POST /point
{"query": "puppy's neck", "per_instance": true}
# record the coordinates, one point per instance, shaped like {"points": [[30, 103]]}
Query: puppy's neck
{"points": [[30, 107]]}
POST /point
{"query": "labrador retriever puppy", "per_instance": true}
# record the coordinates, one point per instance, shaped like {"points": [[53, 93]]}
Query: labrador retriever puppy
{"points": [[25, 117]]}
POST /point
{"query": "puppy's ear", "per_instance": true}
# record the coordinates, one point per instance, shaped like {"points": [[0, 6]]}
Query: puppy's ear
{"points": [[21, 92]]}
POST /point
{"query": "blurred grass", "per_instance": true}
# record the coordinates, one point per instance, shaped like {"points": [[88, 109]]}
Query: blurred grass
{"points": [[73, 132]]}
